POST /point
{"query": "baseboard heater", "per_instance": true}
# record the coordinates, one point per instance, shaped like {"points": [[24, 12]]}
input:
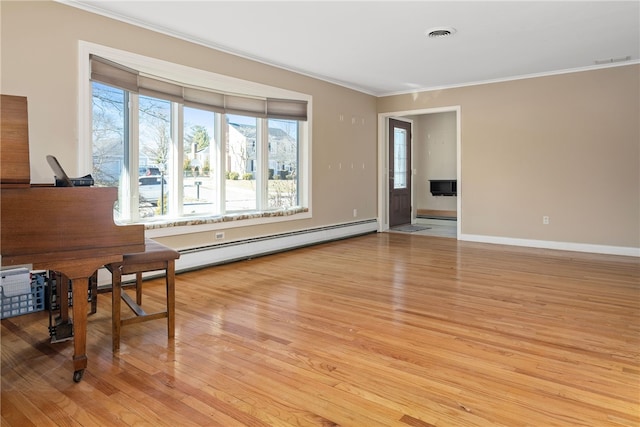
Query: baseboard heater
{"points": [[438, 217], [222, 253]]}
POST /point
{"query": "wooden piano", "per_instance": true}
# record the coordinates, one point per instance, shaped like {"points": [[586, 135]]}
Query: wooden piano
{"points": [[66, 229]]}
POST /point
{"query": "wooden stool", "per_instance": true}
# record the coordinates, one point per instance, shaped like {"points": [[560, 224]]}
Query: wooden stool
{"points": [[155, 257]]}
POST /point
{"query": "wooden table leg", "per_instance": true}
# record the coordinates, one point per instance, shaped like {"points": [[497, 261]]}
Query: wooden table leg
{"points": [[79, 271], [80, 289]]}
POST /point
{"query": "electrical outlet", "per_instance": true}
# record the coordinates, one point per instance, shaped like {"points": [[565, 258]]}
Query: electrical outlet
{"points": [[355, 213], [219, 235], [545, 220]]}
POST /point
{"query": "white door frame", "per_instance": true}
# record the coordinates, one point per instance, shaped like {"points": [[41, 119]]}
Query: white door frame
{"points": [[383, 162]]}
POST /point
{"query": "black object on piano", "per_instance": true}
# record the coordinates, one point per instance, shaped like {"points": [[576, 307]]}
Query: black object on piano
{"points": [[63, 180], [85, 181]]}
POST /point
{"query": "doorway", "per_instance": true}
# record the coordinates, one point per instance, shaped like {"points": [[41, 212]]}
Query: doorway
{"points": [[387, 122]]}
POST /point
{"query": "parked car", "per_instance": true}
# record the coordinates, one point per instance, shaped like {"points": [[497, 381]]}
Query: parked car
{"points": [[150, 188], [148, 171]]}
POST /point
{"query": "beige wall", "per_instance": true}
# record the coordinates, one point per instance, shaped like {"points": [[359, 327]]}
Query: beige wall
{"points": [[566, 146], [39, 61]]}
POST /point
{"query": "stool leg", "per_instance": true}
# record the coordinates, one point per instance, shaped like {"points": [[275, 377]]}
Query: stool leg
{"points": [[93, 281], [116, 294], [62, 286], [171, 297], [139, 288]]}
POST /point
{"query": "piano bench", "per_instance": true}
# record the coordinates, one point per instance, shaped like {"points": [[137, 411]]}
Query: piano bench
{"points": [[155, 257]]}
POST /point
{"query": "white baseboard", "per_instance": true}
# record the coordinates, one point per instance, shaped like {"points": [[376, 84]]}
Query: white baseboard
{"points": [[546, 244]]}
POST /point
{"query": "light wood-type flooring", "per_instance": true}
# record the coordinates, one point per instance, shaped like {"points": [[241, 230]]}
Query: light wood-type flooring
{"points": [[385, 329]]}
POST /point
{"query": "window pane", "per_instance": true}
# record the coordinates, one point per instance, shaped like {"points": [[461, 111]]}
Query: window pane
{"points": [[153, 155], [200, 189], [241, 163], [400, 159], [109, 137], [283, 163]]}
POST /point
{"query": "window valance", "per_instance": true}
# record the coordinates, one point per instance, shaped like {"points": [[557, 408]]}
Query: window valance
{"points": [[114, 74]]}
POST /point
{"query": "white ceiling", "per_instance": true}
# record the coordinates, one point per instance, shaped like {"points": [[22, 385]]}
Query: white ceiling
{"points": [[380, 47]]}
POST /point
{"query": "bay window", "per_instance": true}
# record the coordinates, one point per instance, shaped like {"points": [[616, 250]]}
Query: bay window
{"points": [[180, 151]]}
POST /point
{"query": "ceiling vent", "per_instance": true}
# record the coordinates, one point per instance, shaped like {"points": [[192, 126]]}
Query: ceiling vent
{"points": [[440, 32]]}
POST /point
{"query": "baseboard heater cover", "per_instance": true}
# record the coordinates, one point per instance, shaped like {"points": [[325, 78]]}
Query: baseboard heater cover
{"points": [[257, 246], [443, 218], [222, 253]]}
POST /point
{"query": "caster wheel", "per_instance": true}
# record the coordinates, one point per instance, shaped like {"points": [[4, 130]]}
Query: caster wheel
{"points": [[77, 375]]}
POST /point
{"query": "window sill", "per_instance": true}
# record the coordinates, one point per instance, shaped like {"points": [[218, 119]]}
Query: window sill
{"points": [[168, 227]]}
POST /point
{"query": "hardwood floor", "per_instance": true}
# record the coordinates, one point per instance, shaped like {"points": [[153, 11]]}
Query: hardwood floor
{"points": [[380, 330]]}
